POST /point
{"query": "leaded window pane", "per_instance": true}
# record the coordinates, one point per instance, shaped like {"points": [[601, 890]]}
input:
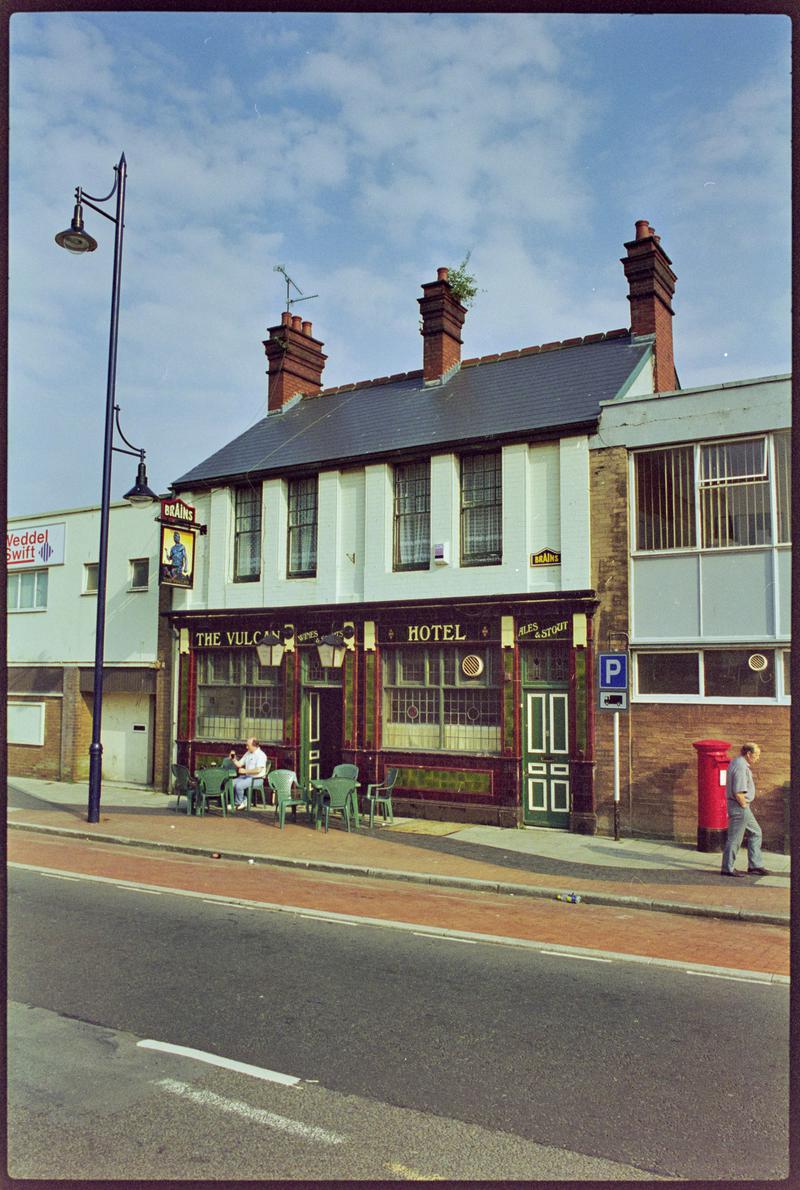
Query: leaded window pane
{"points": [[302, 527], [481, 508], [412, 516], [237, 697], [442, 699], [247, 535]]}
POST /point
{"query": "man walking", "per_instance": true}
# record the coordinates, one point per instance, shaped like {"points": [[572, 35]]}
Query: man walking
{"points": [[740, 791], [253, 763]]}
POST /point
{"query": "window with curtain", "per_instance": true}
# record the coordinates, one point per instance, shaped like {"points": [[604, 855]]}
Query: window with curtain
{"points": [[481, 509], [442, 699], [302, 544], [247, 534], [412, 516], [237, 697], [734, 493], [665, 516]]}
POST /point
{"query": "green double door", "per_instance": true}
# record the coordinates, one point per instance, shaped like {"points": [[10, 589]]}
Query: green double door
{"points": [[545, 775]]}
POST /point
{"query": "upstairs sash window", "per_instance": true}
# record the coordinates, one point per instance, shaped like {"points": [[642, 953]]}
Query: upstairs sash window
{"points": [[302, 544], [481, 509], [247, 535], [412, 516]]}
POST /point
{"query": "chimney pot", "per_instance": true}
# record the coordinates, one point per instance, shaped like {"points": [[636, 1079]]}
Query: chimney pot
{"points": [[306, 328], [296, 321], [442, 319], [286, 318], [651, 286]]}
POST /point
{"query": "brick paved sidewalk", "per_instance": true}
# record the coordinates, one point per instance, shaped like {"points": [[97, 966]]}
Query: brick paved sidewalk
{"points": [[696, 891]]}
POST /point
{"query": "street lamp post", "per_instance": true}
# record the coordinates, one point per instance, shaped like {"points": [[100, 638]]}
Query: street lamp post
{"points": [[76, 239]]}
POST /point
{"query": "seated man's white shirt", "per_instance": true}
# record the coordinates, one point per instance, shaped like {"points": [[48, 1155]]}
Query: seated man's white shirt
{"points": [[252, 762]]}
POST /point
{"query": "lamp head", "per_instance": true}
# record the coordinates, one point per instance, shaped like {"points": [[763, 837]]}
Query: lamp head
{"points": [[140, 493], [76, 239]]}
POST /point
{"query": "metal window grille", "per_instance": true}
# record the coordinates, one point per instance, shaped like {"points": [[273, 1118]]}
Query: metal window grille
{"points": [[734, 493], [665, 505], [431, 704], [27, 590], [481, 509], [783, 484], [412, 516], [247, 535], [302, 527], [237, 697]]}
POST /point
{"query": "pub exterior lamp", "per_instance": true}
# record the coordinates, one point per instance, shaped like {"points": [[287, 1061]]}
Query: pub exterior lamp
{"points": [[332, 648], [270, 650], [77, 240]]}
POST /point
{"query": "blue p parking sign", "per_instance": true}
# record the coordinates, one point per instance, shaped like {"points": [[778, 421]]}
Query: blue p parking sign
{"points": [[613, 671]]}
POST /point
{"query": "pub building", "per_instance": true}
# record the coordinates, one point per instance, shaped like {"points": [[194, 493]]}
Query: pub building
{"points": [[399, 573]]}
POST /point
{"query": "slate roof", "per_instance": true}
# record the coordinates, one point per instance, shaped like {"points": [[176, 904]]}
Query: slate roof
{"points": [[534, 392]]}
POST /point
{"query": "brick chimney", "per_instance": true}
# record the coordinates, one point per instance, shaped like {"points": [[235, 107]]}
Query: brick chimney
{"points": [[295, 361], [652, 283], [442, 319]]}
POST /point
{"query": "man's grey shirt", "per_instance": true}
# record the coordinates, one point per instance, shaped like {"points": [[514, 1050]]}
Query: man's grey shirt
{"points": [[740, 780]]}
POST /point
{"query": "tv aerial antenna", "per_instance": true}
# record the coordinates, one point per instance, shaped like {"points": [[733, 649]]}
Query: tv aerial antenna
{"points": [[290, 301]]}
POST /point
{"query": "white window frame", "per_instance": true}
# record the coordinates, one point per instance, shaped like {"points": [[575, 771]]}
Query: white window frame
{"points": [[699, 548], [17, 576], [139, 587], [31, 743], [776, 648], [87, 567]]}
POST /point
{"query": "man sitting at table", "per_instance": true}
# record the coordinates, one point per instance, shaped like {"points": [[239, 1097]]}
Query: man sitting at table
{"points": [[252, 763]]}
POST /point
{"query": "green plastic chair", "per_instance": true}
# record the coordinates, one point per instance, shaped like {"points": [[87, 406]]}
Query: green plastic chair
{"points": [[346, 770], [214, 785], [185, 785], [336, 794], [282, 782], [381, 795]]}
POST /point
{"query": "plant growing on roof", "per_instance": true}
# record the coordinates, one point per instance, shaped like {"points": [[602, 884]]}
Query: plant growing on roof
{"points": [[463, 283]]}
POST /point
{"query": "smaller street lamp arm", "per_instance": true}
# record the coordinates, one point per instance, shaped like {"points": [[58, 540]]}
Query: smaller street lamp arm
{"points": [[136, 451]]}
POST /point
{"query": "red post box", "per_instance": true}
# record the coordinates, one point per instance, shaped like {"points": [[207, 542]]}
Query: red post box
{"points": [[712, 809]]}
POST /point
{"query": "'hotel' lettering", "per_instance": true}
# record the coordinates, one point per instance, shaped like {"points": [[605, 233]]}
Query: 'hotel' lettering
{"points": [[435, 632]]}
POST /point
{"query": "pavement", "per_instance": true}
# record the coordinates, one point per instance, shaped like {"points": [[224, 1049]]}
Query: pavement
{"points": [[632, 873]]}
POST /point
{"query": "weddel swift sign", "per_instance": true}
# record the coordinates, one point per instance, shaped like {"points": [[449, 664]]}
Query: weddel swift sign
{"points": [[35, 545]]}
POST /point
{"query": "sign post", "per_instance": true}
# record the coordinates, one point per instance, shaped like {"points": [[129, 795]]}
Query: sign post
{"points": [[613, 692]]}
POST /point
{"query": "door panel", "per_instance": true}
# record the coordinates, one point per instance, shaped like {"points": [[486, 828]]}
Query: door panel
{"points": [[546, 767]]}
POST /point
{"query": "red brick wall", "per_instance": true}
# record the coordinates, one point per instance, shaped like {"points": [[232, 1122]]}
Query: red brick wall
{"points": [[662, 798], [33, 760]]}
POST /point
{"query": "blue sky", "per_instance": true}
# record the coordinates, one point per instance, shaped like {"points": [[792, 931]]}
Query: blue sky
{"points": [[362, 151]]}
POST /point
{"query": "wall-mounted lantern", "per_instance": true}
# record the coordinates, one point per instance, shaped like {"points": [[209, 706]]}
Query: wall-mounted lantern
{"points": [[332, 648], [270, 650]]}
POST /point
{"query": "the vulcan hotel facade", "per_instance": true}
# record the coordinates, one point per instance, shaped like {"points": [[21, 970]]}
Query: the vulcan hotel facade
{"points": [[399, 572]]}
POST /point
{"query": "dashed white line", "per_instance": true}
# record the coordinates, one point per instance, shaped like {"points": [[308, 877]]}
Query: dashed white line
{"points": [[732, 978], [271, 1076], [585, 958], [255, 1114], [151, 892], [52, 876]]}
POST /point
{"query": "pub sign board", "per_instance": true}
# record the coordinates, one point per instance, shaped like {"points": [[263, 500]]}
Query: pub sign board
{"points": [[178, 512], [177, 557], [546, 557], [437, 632], [544, 629]]}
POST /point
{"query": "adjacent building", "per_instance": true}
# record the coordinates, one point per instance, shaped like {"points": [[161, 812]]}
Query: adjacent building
{"points": [[52, 561], [693, 560]]}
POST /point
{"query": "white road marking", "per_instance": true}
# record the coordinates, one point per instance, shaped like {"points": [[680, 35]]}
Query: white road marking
{"points": [[732, 978], [379, 922], [152, 892], [255, 1114], [272, 1076], [53, 876], [444, 938], [586, 958]]}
